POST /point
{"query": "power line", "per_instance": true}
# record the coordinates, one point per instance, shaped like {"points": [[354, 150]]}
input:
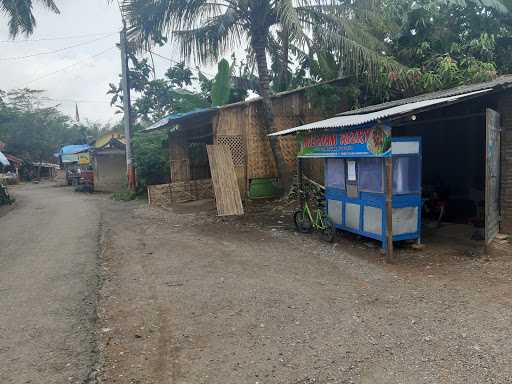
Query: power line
{"points": [[67, 67], [57, 50], [177, 62], [54, 38], [76, 101]]}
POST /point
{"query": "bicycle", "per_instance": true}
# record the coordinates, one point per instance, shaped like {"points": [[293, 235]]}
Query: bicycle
{"points": [[305, 221]]}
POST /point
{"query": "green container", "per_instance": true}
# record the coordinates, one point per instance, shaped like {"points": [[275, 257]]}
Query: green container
{"points": [[262, 188]]}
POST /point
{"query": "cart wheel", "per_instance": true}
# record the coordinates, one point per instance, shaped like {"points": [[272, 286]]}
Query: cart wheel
{"points": [[329, 232], [302, 223]]}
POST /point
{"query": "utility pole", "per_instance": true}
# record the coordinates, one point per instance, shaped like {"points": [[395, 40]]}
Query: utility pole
{"points": [[130, 171]]}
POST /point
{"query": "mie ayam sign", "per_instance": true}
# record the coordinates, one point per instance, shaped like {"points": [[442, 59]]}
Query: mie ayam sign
{"points": [[361, 142]]}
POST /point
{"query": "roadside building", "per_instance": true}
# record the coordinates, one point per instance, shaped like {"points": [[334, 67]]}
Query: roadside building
{"points": [[44, 171], [109, 163], [464, 166], [238, 126]]}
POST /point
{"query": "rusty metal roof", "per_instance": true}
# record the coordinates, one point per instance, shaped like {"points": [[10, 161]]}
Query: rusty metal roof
{"points": [[348, 121]]}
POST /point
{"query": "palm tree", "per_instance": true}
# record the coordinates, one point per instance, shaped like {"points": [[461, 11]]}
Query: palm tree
{"points": [[21, 18], [207, 29]]}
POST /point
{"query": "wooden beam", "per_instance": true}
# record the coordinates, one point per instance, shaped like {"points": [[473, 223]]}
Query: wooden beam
{"points": [[389, 209], [300, 183]]}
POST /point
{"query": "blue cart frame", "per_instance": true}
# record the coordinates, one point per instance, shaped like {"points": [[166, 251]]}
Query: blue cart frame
{"points": [[360, 211]]}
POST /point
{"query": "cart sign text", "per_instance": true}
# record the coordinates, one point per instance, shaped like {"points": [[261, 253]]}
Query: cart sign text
{"points": [[362, 142]]}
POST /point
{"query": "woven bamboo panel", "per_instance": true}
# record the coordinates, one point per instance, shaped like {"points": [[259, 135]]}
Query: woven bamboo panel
{"points": [[225, 183], [159, 195], [236, 146], [289, 148], [259, 157], [190, 191], [260, 160], [232, 121]]}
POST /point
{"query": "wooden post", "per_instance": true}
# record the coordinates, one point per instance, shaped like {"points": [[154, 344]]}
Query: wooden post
{"points": [[125, 82], [300, 182], [389, 208]]}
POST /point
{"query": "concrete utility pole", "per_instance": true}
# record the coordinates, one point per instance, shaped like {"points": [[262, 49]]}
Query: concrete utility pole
{"points": [[127, 110]]}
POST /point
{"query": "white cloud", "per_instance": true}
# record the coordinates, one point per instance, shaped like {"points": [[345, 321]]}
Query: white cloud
{"points": [[88, 80]]}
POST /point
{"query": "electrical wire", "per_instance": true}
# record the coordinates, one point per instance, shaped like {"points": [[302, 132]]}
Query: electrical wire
{"points": [[73, 101], [177, 62], [67, 67], [55, 51], [54, 38]]}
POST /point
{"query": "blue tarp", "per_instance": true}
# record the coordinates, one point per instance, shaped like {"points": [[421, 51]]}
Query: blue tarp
{"points": [[3, 159], [179, 117], [72, 149]]}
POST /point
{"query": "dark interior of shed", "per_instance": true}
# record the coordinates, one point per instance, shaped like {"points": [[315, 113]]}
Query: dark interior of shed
{"points": [[197, 154], [453, 163]]}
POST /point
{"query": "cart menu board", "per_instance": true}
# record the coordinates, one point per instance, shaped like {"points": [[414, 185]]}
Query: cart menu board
{"points": [[361, 142]]}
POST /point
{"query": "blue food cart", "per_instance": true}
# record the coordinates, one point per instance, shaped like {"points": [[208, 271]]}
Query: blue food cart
{"points": [[372, 180]]}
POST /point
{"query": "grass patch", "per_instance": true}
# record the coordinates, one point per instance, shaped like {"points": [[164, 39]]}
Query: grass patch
{"points": [[124, 196]]}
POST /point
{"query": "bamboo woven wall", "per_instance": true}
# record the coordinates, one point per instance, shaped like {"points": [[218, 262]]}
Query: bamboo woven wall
{"points": [[159, 195], [289, 111], [240, 127], [230, 128]]}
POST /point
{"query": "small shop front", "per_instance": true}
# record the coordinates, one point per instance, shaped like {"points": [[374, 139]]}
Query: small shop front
{"points": [[361, 190], [432, 168]]}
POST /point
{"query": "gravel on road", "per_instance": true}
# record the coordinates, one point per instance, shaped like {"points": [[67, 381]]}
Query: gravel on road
{"points": [[48, 284], [190, 298]]}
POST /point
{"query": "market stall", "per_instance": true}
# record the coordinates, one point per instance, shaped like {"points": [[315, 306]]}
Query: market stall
{"points": [[366, 173]]}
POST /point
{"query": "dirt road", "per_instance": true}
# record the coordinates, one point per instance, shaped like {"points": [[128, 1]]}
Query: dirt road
{"points": [[188, 298], [48, 253]]}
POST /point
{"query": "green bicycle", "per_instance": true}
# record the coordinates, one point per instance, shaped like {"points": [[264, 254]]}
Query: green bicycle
{"points": [[305, 221]]}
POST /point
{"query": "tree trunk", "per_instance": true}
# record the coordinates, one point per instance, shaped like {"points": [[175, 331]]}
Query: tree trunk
{"points": [[259, 46], [285, 78]]}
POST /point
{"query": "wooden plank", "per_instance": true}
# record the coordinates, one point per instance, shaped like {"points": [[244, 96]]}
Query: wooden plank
{"points": [[492, 176], [225, 183], [389, 208]]}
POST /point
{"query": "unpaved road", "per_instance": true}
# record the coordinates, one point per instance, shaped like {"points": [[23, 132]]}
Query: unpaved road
{"points": [[187, 298], [191, 299], [48, 253]]}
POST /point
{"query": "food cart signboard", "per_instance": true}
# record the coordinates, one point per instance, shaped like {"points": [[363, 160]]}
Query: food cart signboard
{"points": [[84, 158], [361, 142]]}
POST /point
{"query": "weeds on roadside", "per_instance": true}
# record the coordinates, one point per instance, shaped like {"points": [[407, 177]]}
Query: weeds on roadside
{"points": [[125, 195]]}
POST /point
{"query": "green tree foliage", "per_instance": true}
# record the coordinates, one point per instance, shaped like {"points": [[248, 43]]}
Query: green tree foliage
{"points": [[206, 30], [157, 98], [20, 15], [221, 89], [448, 45], [151, 158], [34, 132]]}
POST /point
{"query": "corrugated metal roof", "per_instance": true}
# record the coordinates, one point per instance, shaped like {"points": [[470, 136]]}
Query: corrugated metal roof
{"points": [[500, 82], [346, 121]]}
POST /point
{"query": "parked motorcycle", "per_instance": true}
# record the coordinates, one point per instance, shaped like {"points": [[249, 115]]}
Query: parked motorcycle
{"points": [[5, 198]]}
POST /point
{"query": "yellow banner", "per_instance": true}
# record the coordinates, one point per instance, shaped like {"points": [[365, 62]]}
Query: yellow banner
{"points": [[84, 158]]}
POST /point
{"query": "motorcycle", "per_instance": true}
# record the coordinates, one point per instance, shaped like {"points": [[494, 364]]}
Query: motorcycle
{"points": [[5, 198]]}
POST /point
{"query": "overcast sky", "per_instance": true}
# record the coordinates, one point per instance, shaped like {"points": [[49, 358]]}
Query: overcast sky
{"points": [[92, 24]]}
